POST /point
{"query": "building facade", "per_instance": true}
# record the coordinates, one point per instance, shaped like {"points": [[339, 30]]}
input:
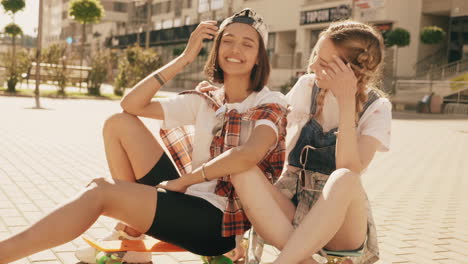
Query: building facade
{"points": [[294, 28]]}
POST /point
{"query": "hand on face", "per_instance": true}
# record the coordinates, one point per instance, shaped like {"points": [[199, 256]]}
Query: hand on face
{"points": [[205, 30], [339, 77]]}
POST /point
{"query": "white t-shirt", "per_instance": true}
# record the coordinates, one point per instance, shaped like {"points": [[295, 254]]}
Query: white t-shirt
{"points": [[375, 122], [192, 109]]}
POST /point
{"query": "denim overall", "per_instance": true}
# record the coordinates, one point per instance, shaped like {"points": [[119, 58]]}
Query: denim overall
{"points": [[322, 159]]}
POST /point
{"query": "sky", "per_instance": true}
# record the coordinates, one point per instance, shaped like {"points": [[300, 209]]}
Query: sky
{"points": [[26, 19]]}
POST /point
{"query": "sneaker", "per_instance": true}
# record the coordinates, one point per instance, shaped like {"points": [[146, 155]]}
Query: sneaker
{"points": [[88, 254]]}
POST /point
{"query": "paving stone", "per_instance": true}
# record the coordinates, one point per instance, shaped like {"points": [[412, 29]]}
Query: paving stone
{"points": [[417, 190]]}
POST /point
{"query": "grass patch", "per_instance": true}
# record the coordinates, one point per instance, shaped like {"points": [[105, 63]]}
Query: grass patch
{"points": [[53, 94], [68, 95]]}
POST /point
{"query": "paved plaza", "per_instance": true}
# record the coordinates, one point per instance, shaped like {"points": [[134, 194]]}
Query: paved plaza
{"points": [[418, 190]]}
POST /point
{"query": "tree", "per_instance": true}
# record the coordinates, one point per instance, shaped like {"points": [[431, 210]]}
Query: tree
{"points": [[429, 36], [85, 12], [38, 55], [98, 73], [432, 35], [398, 37], [135, 64], [55, 56], [13, 6], [15, 66], [12, 29]]}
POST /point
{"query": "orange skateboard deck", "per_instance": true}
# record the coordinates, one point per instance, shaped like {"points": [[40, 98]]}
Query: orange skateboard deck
{"points": [[148, 245], [111, 250]]}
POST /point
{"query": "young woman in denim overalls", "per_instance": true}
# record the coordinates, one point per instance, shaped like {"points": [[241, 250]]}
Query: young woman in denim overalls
{"points": [[338, 120]]}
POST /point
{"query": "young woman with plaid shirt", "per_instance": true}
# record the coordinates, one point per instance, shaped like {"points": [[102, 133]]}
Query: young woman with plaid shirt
{"points": [[188, 212]]}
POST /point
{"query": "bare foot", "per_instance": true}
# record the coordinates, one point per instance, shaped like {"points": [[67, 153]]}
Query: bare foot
{"points": [[236, 254], [130, 231]]}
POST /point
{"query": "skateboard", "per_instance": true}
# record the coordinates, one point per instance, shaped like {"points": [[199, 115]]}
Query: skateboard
{"points": [[112, 252]]}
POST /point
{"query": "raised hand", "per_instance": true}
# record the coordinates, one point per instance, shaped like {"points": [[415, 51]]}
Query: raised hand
{"points": [[205, 30], [341, 77]]}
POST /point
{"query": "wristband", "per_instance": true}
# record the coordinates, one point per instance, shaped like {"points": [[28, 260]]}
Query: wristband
{"points": [[203, 173], [158, 76]]}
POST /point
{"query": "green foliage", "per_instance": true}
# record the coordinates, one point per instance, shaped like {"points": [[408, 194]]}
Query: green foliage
{"points": [[97, 75], [288, 85], [13, 30], [399, 37], [203, 52], [14, 71], [135, 63], [177, 51], [432, 35], [55, 55], [13, 6], [86, 11]]}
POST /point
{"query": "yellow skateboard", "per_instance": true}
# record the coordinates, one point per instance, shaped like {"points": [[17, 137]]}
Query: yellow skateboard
{"points": [[112, 252]]}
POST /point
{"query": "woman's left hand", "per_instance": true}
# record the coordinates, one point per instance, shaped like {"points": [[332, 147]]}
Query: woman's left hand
{"points": [[177, 185], [341, 77]]}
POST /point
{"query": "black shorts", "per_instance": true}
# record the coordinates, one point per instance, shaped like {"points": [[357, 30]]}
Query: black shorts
{"points": [[184, 220]]}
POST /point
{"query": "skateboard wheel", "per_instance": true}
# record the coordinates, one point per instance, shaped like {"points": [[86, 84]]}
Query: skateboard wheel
{"points": [[217, 260], [105, 258]]}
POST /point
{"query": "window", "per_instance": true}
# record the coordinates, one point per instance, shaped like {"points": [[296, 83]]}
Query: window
{"points": [[188, 4], [120, 7], [203, 6], [168, 6], [187, 20], [167, 23], [217, 4], [271, 44], [158, 25], [156, 10], [177, 22]]}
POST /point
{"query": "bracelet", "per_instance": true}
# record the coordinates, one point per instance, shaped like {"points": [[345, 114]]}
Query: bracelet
{"points": [[203, 173], [160, 78]]}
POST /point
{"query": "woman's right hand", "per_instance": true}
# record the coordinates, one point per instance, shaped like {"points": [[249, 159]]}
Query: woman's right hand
{"points": [[205, 30]]}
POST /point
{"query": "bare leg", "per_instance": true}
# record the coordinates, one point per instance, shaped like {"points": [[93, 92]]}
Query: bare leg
{"points": [[115, 199], [261, 201], [338, 220], [131, 151]]}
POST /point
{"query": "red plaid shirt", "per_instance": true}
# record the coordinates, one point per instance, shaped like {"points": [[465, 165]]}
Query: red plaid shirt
{"points": [[179, 143]]}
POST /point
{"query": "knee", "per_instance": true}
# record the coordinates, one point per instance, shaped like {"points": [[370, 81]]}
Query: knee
{"points": [[345, 177], [97, 191], [116, 122], [242, 178]]}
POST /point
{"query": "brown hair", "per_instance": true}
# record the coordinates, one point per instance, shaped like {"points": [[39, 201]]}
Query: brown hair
{"points": [[363, 47], [259, 74]]}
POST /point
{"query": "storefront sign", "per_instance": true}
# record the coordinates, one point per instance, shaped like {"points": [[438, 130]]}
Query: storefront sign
{"points": [[325, 15]]}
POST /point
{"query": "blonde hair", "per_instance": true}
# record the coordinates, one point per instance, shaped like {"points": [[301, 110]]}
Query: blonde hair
{"points": [[363, 47]]}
